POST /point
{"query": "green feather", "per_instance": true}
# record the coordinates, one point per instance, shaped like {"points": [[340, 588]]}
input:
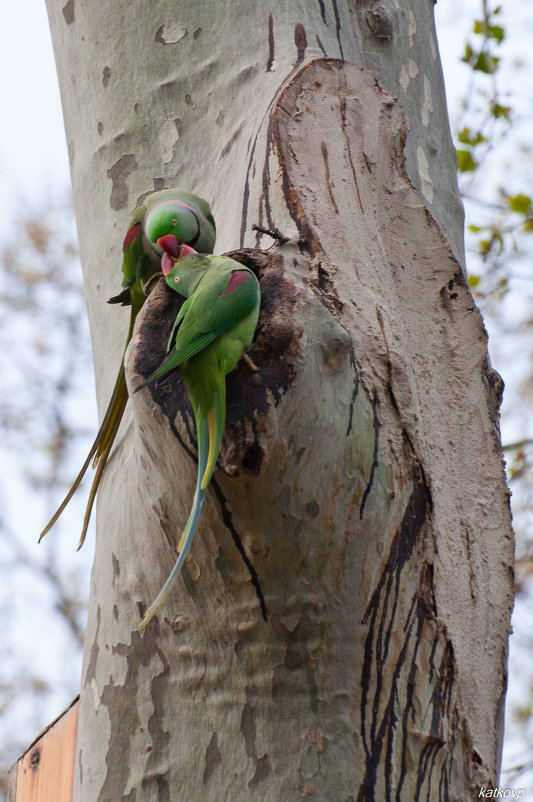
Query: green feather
{"points": [[215, 325], [141, 259]]}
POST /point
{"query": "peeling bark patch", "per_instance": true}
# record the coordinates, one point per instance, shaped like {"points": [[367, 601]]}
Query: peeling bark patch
{"points": [[119, 174], [68, 12], [374, 462], [285, 676], [106, 75], [116, 567], [90, 674], [248, 729], [124, 718], [170, 34], [270, 60], [168, 134], [249, 733], [380, 24], [213, 759], [262, 770], [300, 40], [312, 508]]}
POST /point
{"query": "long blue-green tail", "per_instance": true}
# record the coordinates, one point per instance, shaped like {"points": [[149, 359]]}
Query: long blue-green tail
{"points": [[216, 418], [190, 527]]}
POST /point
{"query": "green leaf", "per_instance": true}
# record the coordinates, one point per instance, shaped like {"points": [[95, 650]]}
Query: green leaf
{"points": [[497, 32], [519, 203], [468, 138], [493, 31], [501, 111], [486, 63], [473, 281], [464, 135], [474, 229], [465, 161], [468, 53]]}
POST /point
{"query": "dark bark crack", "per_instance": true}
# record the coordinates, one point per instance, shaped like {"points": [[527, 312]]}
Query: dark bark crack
{"points": [[270, 61], [374, 461], [381, 725], [354, 393]]}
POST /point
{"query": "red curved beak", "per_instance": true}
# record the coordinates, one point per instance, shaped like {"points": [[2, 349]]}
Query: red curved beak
{"points": [[173, 249], [169, 243]]}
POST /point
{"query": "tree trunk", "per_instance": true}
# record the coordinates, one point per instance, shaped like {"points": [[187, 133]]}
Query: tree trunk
{"points": [[361, 468]]}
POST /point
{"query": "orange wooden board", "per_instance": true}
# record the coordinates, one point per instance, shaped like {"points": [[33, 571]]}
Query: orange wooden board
{"points": [[45, 772]]}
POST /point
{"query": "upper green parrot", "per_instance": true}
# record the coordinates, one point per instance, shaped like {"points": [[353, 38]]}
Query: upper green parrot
{"points": [[214, 326], [190, 220]]}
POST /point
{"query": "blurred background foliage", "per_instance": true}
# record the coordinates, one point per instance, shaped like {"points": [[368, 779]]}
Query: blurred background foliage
{"points": [[45, 421], [48, 415]]}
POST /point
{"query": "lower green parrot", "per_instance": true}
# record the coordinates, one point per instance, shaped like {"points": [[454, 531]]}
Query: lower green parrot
{"points": [[213, 328], [190, 221]]}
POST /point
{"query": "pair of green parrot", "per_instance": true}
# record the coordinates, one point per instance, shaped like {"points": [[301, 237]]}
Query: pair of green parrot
{"points": [[173, 233]]}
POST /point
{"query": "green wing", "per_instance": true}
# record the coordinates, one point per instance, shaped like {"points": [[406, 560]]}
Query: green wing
{"points": [[215, 307], [220, 301]]}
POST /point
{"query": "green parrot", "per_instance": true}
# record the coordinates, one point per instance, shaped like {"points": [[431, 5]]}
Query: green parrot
{"points": [[214, 326], [190, 220]]}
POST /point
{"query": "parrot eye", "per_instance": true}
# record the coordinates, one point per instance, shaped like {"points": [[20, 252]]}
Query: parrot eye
{"points": [[176, 279], [174, 222]]}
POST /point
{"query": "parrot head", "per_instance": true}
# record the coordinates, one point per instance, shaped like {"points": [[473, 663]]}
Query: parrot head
{"points": [[172, 251], [172, 218], [187, 271]]}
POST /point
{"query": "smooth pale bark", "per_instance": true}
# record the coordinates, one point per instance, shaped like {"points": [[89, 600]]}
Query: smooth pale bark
{"points": [[361, 466]]}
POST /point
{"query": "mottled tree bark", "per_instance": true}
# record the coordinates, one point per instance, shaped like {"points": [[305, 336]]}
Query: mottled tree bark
{"points": [[361, 469]]}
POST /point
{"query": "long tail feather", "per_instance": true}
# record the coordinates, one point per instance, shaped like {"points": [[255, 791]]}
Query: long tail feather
{"points": [[99, 450], [216, 418], [190, 526], [94, 487], [105, 438], [111, 421]]}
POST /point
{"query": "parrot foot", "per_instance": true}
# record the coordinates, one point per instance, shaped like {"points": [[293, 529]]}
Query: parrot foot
{"points": [[249, 361]]}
